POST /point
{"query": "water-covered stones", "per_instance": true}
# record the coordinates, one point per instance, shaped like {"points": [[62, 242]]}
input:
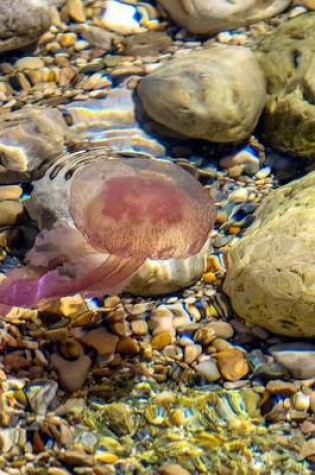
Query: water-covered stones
{"points": [[22, 22], [271, 270], [287, 57], [216, 94], [211, 16]]}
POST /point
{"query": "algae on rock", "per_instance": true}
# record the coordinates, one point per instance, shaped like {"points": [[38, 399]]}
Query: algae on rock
{"points": [[271, 270], [287, 57]]}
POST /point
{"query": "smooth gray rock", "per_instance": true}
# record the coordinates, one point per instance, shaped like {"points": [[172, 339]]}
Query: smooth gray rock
{"points": [[216, 94], [298, 358], [211, 16], [22, 22]]}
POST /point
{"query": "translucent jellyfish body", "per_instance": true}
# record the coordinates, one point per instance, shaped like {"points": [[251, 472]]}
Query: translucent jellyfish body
{"points": [[110, 224]]}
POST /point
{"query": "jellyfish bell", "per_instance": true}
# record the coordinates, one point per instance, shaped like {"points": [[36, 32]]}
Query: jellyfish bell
{"points": [[146, 209], [136, 224]]}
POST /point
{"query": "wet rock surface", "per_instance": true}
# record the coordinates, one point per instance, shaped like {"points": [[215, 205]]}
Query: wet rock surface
{"points": [[287, 57], [203, 96], [22, 22], [270, 276], [211, 16], [123, 384]]}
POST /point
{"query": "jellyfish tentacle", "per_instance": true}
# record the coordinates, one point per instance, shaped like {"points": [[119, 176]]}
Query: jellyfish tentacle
{"points": [[57, 268]]}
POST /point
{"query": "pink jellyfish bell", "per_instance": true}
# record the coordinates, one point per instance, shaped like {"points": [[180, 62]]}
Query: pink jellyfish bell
{"points": [[120, 213], [141, 208]]}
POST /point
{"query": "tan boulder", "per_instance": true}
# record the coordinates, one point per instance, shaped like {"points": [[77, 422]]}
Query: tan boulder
{"points": [[271, 270], [216, 94], [211, 16]]}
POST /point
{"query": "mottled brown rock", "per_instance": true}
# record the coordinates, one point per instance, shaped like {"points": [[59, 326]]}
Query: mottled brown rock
{"points": [[22, 22], [287, 57], [216, 94], [271, 270], [211, 16]]}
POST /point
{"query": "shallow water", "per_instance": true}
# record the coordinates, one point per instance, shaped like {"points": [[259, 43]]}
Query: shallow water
{"points": [[125, 384]]}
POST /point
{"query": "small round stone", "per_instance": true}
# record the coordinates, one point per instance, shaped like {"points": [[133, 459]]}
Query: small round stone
{"points": [[239, 195], [173, 469], [161, 340], [208, 369], [10, 212], [232, 364], [29, 62]]}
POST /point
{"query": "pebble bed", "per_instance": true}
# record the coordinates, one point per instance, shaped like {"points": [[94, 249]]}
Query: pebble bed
{"points": [[175, 385]]}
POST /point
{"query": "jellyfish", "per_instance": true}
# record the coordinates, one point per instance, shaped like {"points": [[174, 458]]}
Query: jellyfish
{"points": [[116, 214]]}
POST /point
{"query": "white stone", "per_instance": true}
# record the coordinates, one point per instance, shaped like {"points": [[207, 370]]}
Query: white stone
{"points": [[119, 17]]}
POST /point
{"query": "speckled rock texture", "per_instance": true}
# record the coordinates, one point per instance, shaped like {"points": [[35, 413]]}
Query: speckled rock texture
{"points": [[211, 16], [271, 270], [216, 94], [287, 56], [22, 22]]}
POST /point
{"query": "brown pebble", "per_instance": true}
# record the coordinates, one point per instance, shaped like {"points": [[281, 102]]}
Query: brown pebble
{"points": [[70, 305], [10, 192], [219, 344], [191, 353], [29, 62], [70, 349], [173, 469], [76, 458], [232, 364], [310, 4], [10, 211], [308, 427], [222, 329], [281, 387], [76, 10], [56, 334], [72, 374], [204, 335], [161, 340], [57, 471], [139, 327], [127, 346], [312, 402], [101, 340]]}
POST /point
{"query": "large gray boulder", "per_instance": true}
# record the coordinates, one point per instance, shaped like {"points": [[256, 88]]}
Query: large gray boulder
{"points": [[271, 270], [287, 57], [211, 16], [22, 22], [216, 94]]}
